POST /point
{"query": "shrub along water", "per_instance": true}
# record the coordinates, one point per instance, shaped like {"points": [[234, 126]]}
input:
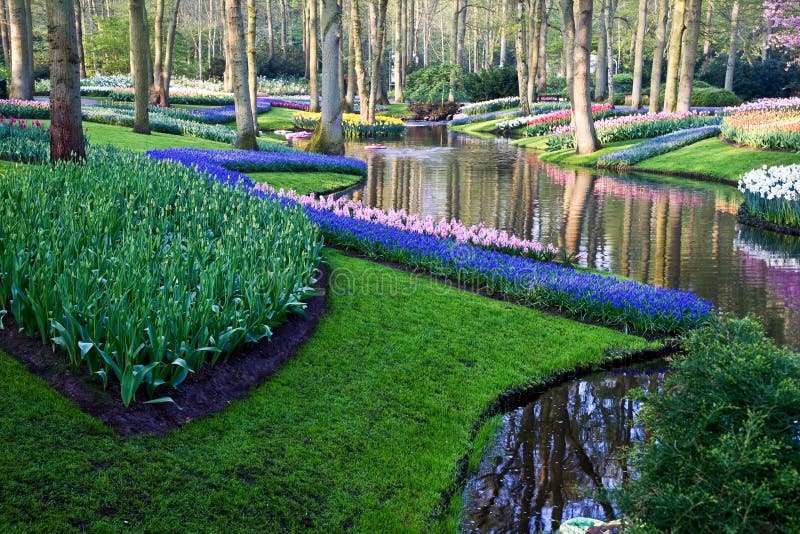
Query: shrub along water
{"points": [[145, 270], [723, 453]]}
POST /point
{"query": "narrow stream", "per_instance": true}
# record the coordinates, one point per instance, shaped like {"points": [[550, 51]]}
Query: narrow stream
{"points": [[556, 457]]}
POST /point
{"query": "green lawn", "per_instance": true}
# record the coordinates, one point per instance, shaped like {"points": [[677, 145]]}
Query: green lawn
{"points": [[535, 143], [361, 429], [568, 156], [275, 119], [123, 137], [307, 182], [399, 110], [715, 159]]}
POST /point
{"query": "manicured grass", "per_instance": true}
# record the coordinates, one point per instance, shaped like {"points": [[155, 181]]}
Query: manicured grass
{"points": [[533, 143], [715, 159], [361, 430], [479, 129], [568, 156], [276, 119], [306, 182], [123, 137], [398, 110]]}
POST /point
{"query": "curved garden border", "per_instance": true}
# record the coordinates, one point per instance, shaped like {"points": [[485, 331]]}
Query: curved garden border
{"points": [[208, 392]]}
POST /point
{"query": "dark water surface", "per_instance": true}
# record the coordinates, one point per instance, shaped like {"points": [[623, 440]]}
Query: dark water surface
{"points": [[669, 232], [555, 457]]}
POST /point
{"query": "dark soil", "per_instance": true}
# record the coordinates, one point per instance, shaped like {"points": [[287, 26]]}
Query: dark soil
{"points": [[207, 391], [745, 217]]}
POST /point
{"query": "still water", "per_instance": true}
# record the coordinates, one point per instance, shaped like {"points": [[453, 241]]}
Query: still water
{"points": [[556, 457], [669, 232]]}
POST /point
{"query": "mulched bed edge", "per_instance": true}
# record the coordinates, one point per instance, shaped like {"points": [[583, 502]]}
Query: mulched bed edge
{"points": [[208, 391], [745, 217]]}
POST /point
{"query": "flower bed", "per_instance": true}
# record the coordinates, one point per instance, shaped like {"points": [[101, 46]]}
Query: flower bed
{"points": [[606, 300], [22, 141], [216, 115], [546, 122], [629, 156], [537, 109], [635, 126], [190, 98], [488, 106], [488, 238], [249, 161], [25, 109], [773, 194], [468, 119], [768, 129], [767, 104], [147, 271], [352, 126]]}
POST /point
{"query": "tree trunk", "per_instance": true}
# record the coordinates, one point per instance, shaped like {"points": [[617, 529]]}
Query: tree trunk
{"points": [[689, 54], [245, 128], [641, 23], [166, 73], [707, 37], [542, 72], [503, 23], [658, 56], [522, 64], [329, 139], [29, 45], [158, 42], [270, 30], [610, 10], [350, 97], [674, 55], [731, 67], [601, 72], [568, 44], [21, 68], [585, 135], [462, 28], [398, 56], [79, 35], [66, 134], [451, 97], [377, 57], [284, 27], [358, 57], [140, 60], [4, 33], [252, 74], [313, 72], [534, 27]]}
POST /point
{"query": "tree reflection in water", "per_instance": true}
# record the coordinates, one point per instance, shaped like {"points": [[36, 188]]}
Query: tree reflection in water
{"points": [[555, 458]]}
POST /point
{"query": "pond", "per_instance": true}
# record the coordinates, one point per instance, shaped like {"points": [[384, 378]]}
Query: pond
{"points": [[555, 458], [670, 232]]}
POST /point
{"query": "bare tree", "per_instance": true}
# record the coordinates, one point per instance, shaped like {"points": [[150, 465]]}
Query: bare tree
{"points": [[252, 74], [140, 61], [378, 38], [79, 33], [689, 54], [585, 136], [21, 66], [245, 128], [358, 59], [66, 134], [658, 56], [601, 73], [638, 55], [522, 62], [166, 73], [4, 33], [731, 66], [674, 56], [328, 138], [313, 37]]}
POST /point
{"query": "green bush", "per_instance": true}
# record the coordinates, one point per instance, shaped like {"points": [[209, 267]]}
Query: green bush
{"points": [[147, 271], [491, 84], [713, 97], [761, 79], [723, 453], [623, 83], [432, 84]]}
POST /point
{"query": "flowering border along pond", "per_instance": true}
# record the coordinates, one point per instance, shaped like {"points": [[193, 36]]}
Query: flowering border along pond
{"points": [[773, 194], [607, 300], [629, 156]]}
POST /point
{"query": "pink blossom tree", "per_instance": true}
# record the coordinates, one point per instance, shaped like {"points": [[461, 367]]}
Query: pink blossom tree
{"points": [[784, 17]]}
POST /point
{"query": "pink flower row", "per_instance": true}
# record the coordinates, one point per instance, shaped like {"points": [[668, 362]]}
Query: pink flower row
{"points": [[561, 114], [629, 119], [453, 229], [767, 104]]}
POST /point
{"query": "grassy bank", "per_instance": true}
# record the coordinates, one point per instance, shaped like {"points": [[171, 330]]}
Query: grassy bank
{"points": [[362, 429], [568, 156], [715, 159], [307, 182]]}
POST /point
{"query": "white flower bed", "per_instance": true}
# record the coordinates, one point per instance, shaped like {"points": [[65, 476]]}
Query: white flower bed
{"points": [[781, 182]]}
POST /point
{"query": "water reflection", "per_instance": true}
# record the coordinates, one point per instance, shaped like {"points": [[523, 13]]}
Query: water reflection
{"points": [[555, 458], [670, 232]]}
